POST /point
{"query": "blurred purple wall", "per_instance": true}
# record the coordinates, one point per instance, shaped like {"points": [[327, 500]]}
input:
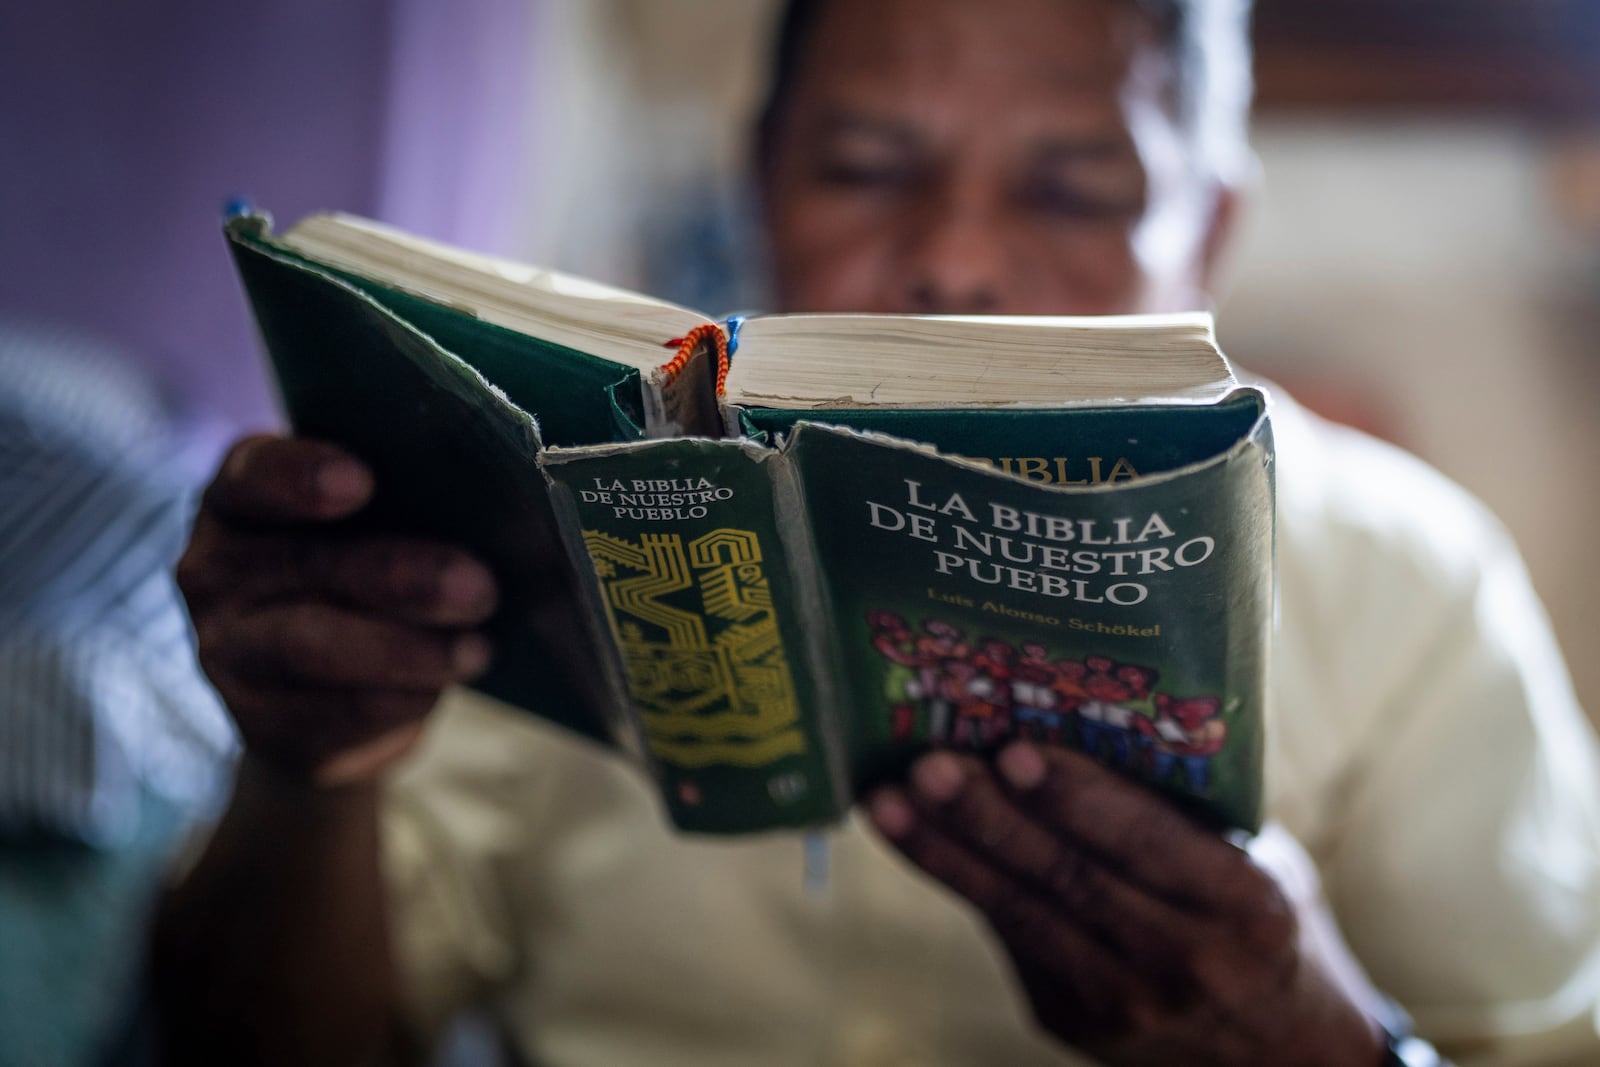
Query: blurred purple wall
{"points": [[457, 164], [125, 127]]}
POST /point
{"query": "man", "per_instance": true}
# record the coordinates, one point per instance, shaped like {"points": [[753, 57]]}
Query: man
{"points": [[938, 156]]}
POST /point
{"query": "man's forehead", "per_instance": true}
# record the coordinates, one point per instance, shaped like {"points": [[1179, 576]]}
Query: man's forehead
{"points": [[1031, 47]]}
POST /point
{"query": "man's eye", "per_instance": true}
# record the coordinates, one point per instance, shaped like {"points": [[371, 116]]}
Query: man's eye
{"points": [[1074, 201], [864, 173]]}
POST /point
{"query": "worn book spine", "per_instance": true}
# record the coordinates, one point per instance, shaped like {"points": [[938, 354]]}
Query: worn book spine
{"points": [[692, 574]]}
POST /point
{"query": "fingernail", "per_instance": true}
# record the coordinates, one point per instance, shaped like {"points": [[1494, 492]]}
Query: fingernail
{"points": [[343, 481], [891, 814], [464, 584], [471, 654], [937, 777], [1022, 766], [239, 460]]}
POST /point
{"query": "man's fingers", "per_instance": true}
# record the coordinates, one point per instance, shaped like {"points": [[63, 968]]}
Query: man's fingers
{"points": [[320, 644], [1034, 932], [268, 479], [1135, 830], [961, 799], [418, 581], [411, 580], [246, 550], [328, 643]]}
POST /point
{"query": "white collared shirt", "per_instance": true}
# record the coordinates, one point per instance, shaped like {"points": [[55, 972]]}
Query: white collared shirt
{"points": [[1424, 746]]}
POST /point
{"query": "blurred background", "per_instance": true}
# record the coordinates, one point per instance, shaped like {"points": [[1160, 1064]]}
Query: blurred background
{"points": [[1421, 255]]}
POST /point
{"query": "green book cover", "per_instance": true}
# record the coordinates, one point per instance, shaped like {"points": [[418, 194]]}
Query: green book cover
{"points": [[691, 545], [1128, 618], [454, 458], [771, 609], [1093, 577]]}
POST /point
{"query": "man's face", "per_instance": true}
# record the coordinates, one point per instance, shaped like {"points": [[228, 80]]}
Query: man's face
{"points": [[1008, 157]]}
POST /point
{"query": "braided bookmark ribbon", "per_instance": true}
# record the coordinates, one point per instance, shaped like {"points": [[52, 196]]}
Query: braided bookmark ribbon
{"points": [[686, 346]]}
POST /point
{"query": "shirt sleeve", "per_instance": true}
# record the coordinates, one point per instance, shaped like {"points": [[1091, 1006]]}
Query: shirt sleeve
{"points": [[1464, 859]]}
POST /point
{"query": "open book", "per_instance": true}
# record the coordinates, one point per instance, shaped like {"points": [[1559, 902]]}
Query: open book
{"points": [[776, 558]]}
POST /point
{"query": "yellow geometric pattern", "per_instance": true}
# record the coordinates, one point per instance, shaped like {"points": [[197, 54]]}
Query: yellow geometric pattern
{"points": [[713, 685]]}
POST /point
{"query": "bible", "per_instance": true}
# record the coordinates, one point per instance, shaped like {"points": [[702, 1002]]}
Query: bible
{"points": [[776, 557]]}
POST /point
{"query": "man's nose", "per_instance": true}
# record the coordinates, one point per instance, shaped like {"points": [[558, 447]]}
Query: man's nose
{"points": [[954, 261]]}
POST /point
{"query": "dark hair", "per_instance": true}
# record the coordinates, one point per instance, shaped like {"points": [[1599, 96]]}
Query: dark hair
{"points": [[794, 29], [1208, 40]]}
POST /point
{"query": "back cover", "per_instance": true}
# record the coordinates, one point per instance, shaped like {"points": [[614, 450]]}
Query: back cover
{"points": [[453, 461]]}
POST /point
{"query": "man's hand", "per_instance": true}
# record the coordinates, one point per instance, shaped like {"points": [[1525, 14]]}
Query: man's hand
{"points": [[328, 645], [1140, 937]]}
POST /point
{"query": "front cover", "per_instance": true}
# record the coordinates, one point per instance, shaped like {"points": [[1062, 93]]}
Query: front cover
{"points": [[1127, 617]]}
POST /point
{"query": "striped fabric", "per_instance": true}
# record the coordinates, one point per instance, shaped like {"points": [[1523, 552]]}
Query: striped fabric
{"points": [[99, 690]]}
